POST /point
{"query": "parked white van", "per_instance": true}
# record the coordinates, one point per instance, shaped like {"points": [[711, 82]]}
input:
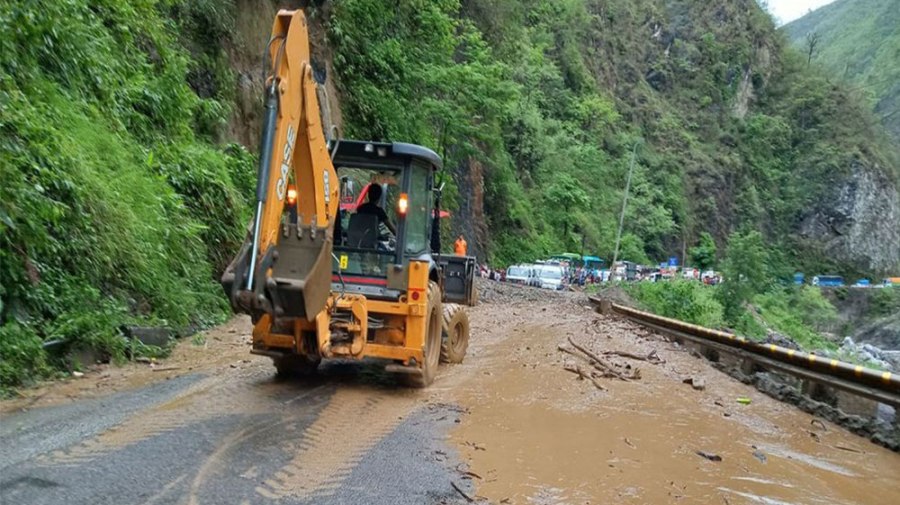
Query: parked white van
{"points": [[551, 276], [519, 274]]}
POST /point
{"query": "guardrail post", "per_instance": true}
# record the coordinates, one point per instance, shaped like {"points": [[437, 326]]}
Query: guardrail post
{"points": [[853, 404], [605, 307], [749, 367], [819, 392]]}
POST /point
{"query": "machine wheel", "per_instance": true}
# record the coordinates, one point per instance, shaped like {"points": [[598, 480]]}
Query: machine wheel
{"points": [[432, 349], [294, 365], [456, 334]]}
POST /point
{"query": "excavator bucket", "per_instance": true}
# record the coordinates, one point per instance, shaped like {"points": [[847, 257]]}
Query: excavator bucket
{"points": [[302, 274], [299, 282], [284, 266]]}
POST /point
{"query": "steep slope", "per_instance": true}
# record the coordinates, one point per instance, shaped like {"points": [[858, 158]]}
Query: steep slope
{"points": [[120, 196], [859, 41], [541, 103], [118, 203]]}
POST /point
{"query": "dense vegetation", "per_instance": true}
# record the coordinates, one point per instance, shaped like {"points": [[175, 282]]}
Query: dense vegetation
{"points": [[751, 301], [858, 41], [121, 199], [733, 131], [116, 203]]}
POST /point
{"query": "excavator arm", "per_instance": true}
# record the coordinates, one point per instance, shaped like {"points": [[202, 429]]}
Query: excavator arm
{"points": [[284, 267]]}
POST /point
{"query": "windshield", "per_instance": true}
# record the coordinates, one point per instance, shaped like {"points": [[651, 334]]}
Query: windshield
{"points": [[551, 274], [364, 242], [516, 272]]}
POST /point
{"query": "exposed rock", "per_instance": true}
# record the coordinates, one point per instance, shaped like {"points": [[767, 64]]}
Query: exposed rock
{"points": [[858, 224], [883, 333], [157, 336], [696, 382], [773, 337]]}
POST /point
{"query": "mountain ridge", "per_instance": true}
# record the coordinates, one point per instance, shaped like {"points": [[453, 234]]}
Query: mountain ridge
{"points": [[859, 42]]}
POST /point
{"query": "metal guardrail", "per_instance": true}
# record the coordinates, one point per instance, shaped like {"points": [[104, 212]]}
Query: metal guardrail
{"points": [[854, 378]]}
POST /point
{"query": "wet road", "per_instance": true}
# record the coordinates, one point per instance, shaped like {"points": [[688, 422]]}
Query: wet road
{"points": [[211, 425], [234, 437]]}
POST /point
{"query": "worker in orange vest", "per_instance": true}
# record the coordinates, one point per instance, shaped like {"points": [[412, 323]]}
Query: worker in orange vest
{"points": [[460, 246]]}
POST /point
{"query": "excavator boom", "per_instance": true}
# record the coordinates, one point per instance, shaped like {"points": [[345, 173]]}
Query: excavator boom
{"points": [[284, 267]]}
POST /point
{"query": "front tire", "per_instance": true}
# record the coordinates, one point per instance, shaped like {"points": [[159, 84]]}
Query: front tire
{"points": [[455, 340]]}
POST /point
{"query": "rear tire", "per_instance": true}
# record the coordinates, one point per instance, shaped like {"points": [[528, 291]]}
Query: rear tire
{"points": [[432, 350], [455, 339], [294, 365]]}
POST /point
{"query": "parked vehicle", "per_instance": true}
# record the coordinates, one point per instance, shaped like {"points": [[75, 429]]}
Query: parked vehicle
{"points": [[863, 283], [891, 281], [520, 274], [710, 277], [690, 273], [828, 281], [552, 277]]}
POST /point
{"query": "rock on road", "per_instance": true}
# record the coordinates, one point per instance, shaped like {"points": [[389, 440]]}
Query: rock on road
{"points": [[211, 425]]}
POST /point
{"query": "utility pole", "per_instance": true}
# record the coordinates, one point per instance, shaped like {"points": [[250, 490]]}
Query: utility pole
{"points": [[612, 274]]}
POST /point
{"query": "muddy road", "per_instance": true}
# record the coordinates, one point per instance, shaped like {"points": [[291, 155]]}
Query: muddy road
{"points": [[211, 425]]}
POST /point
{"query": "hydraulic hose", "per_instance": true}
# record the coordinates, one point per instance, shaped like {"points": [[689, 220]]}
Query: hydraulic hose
{"points": [[265, 168]]}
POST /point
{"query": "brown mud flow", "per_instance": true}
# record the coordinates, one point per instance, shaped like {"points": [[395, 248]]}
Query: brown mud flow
{"points": [[536, 434], [529, 431]]}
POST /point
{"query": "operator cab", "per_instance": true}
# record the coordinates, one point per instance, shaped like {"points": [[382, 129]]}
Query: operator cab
{"points": [[374, 238]]}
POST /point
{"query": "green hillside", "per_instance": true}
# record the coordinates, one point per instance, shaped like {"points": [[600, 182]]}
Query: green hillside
{"points": [[117, 201], [123, 194], [859, 41], [540, 103]]}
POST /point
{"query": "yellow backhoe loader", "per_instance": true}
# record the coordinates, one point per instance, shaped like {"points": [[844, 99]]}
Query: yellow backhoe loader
{"points": [[325, 274]]}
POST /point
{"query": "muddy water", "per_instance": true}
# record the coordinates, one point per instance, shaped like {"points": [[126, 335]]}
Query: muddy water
{"points": [[536, 434]]}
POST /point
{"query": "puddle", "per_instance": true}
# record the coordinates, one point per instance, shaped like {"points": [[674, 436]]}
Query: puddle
{"points": [[812, 461]]}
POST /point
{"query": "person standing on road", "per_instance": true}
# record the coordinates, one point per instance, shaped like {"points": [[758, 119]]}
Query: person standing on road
{"points": [[460, 246]]}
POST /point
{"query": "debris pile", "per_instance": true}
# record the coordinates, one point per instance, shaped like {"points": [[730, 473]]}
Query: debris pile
{"points": [[868, 354], [602, 367]]}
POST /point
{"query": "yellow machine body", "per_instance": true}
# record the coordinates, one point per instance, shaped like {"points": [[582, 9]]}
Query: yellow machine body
{"points": [[283, 274]]}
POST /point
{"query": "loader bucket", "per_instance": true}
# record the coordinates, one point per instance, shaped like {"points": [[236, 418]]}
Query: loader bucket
{"points": [[298, 284], [301, 275]]}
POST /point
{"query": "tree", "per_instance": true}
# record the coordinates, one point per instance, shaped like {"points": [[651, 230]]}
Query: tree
{"points": [[812, 44], [566, 194], [703, 255], [745, 269]]}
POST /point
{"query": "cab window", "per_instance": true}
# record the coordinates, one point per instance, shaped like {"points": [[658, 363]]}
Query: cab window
{"points": [[418, 217]]}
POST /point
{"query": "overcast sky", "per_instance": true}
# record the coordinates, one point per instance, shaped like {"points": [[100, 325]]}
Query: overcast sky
{"points": [[786, 11]]}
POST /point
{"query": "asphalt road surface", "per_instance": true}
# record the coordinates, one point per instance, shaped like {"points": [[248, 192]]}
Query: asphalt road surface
{"points": [[211, 425]]}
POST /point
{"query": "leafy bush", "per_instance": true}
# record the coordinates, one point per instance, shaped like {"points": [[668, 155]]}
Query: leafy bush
{"points": [[814, 309], [681, 299], [746, 272], [703, 255], [780, 311], [885, 302], [22, 356], [112, 211]]}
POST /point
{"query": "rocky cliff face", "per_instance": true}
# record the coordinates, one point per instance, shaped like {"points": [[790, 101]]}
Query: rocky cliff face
{"points": [[861, 224]]}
